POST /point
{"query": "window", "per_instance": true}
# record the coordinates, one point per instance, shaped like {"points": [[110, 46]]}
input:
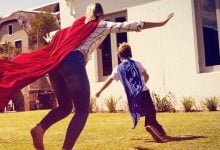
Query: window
{"points": [[121, 37], [18, 44], [208, 29], [10, 29], [107, 56]]}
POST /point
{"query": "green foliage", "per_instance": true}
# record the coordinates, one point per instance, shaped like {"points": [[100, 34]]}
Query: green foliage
{"points": [[188, 103], [43, 24], [111, 103], [8, 50], [92, 105], [1, 48], [211, 103], [163, 104]]}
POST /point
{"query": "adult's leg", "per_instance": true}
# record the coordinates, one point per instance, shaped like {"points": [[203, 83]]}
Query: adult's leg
{"points": [[64, 101], [77, 83], [64, 108]]}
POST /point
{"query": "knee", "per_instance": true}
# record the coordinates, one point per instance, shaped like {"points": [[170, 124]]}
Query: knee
{"points": [[82, 112], [66, 110]]}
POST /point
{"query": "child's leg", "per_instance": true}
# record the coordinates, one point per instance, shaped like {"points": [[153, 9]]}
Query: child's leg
{"points": [[150, 111]]}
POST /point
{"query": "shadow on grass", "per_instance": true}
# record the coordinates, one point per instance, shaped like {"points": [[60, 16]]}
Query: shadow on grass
{"points": [[172, 138], [141, 148], [182, 138]]}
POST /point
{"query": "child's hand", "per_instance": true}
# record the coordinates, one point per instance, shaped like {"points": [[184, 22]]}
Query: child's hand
{"points": [[98, 94]]}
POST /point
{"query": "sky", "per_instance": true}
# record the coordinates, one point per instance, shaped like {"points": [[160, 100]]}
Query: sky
{"points": [[9, 6]]}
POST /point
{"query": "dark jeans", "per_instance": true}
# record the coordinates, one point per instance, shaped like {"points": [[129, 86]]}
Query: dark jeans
{"points": [[148, 108], [71, 86]]}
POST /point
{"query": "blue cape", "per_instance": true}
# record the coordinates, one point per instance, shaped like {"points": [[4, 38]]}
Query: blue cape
{"points": [[133, 85]]}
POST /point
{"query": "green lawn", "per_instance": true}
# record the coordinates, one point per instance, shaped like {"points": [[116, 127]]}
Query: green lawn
{"points": [[105, 131]]}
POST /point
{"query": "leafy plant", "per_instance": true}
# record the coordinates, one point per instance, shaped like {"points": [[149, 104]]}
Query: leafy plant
{"points": [[1, 48], [188, 103], [211, 103], [111, 103], [122, 104], [92, 104], [8, 51], [163, 104]]}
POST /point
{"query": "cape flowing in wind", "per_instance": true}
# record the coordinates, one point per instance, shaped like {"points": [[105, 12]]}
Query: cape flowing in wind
{"points": [[133, 85], [28, 67]]}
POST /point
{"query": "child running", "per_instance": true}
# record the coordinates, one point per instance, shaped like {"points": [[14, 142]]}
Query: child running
{"points": [[134, 77]]}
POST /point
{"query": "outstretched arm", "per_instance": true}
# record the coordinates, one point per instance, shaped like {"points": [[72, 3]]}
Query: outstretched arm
{"points": [[106, 84], [148, 25]]}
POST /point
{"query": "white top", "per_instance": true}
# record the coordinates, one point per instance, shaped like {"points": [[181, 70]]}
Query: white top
{"points": [[115, 75], [104, 28]]}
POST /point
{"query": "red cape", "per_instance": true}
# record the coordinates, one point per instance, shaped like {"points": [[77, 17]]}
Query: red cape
{"points": [[28, 67]]}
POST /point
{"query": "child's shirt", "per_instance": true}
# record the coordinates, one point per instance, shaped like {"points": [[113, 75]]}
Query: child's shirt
{"points": [[115, 76]]}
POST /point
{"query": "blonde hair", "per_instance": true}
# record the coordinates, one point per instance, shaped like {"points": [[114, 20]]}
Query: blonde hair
{"points": [[93, 12]]}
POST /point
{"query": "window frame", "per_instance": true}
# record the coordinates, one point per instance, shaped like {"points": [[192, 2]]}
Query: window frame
{"points": [[203, 68], [20, 40], [10, 25], [113, 43]]}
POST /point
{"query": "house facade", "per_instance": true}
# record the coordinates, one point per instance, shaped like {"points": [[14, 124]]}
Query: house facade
{"points": [[13, 30], [182, 57], [14, 27]]}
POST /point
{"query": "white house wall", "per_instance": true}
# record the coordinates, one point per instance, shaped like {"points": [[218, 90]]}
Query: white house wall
{"points": [[79, 8], [169, 53]]}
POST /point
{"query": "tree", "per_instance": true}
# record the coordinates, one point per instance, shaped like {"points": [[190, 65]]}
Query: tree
{"points": [[43, 24], [8, 50], [1, 48]]}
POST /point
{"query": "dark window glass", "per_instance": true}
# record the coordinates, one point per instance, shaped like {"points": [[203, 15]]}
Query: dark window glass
{"points": [[210, 32], [106, 56], [121, 37], [18, 44], [10, 30]]}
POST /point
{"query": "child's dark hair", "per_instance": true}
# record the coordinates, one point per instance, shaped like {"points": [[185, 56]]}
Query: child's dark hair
{"points": [[124, 50]]}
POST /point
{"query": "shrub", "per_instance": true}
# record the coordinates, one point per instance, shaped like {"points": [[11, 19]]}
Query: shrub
{"points": [[123, 105], [211, 103], [188, 103], [111, 103], [163, 104], [92, 104]]}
